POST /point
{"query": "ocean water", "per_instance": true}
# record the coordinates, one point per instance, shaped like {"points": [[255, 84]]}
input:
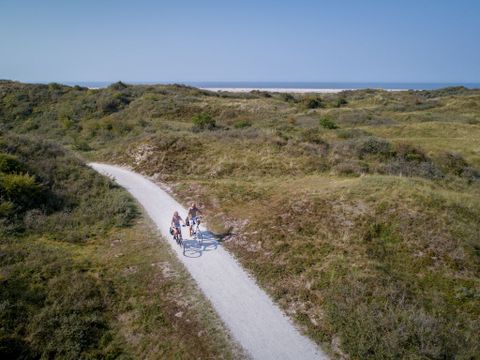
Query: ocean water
{"points": [[290, 85]]}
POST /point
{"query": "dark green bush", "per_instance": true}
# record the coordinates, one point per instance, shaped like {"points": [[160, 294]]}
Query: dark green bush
{"points": [[340, 102], [51, 307], [426, 169], [264, 94], [313, 102], [287, 97], [82, 145], [108, 103], [408, 160], [55, 86], [10, 164], [373, 146], [327, 123], [119, 85], [50, 304], [204, 121], [21, 190], [6, 208], [72, 322], [455, 164], [72, 193]]}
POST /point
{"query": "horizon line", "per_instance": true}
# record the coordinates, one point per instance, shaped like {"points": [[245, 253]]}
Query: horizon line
{"points": [[243, 81]]}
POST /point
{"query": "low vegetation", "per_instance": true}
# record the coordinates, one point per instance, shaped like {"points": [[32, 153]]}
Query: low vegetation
{"points": [[327, 123], [203, 121], [82, 275], [358, 212]]}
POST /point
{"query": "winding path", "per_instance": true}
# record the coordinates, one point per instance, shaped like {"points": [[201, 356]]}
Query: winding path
{"points": [[253, 319]]}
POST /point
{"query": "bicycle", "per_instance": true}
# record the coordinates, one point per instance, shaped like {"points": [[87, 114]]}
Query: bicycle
{"points": [[196, 232], [177, 235]]}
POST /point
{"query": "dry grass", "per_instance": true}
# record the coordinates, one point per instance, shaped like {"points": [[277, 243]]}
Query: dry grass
{"points": [[367, 235], [331, 251], [83, 275], [158, 311]]}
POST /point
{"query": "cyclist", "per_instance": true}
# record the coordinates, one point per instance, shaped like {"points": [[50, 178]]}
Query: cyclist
{"points": [[176, 226], [192, 216]]}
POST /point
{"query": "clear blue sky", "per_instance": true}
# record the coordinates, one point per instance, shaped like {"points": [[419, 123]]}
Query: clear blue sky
{"points": [[204, 40]]}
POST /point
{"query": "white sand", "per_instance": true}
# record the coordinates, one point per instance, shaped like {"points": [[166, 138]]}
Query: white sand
{"points": [[279, 90], [287, 90], [251, 316]]}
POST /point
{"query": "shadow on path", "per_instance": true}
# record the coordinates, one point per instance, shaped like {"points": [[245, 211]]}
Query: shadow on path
{"points": [[196, 247], [220, 237]]}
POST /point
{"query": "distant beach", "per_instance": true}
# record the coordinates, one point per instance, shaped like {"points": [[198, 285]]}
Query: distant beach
{"points": [[283, 90], [290, 87]]}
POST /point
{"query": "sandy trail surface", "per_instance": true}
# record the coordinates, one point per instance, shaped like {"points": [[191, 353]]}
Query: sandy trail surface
{"points": [[254, 321]]}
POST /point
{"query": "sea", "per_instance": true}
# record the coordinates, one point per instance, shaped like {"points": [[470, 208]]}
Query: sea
{"points": [[288, 86]]}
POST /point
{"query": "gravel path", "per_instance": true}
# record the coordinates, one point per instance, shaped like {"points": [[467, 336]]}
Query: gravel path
{"points": [[254, 320]]}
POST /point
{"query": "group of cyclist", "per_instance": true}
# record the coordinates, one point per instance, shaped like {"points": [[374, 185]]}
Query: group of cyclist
{"points": [[191, 220]]}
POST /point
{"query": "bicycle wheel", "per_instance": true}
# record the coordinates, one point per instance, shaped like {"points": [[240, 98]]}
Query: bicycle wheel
{"points": [[179, 239], [199, 235]]}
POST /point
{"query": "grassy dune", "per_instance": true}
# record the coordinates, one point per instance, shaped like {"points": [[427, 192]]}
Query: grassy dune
{"points": [[357, 211], [83, 275]]}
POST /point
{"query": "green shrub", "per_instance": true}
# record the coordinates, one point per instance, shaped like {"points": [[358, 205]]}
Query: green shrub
{"points": [[116, 207], [21, 189], [311, 102], [82, 145], [50, 304], [55, 86], [408, 160], [204, 121], [426, 169], [109, 103], [287, 97], [119, 85], [373, 146], [340, 102], [454, 163], [327, 123], [10, 164], [6, 208], [72, 321], [264, 94]]}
